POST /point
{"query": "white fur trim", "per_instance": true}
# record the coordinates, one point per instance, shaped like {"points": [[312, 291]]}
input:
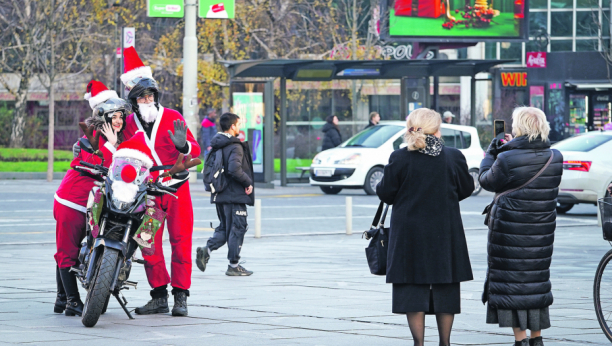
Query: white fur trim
{"points": [[110, 147], [69, 204], [143, 71], [102, 96], [87, 96], [134, 154], [124, 192]]}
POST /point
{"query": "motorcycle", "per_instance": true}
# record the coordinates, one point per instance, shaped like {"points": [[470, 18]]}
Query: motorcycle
{"points": [[116, 229]]}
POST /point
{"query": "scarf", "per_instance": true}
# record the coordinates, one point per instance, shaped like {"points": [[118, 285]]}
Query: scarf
{"points": [[433, 146]]}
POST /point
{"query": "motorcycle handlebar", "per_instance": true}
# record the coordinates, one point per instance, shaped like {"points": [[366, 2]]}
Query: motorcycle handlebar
{"points": [[165, 188]]}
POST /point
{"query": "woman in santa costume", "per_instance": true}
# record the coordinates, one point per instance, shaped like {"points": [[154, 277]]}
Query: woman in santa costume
{"points": [[69, 207], [167, 136]]}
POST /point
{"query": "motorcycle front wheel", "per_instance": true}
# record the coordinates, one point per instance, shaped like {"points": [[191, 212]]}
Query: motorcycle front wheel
{"points": [[99, 291]]}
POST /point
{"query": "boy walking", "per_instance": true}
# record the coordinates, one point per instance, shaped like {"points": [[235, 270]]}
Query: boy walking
{"points": [[231, 202]]}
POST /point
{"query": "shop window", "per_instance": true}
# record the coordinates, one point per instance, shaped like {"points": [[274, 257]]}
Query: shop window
{"points": [[511, 50], [561, 23], [538, 4], [605, 3], [587, 3], [537, 21], [605, 23], [561, 3], [587, 45], [533, 46], [587, 23], [490, 50], [561, 45]]}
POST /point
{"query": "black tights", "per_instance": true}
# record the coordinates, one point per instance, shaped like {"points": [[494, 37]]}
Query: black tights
{"points": [[416, 322]]}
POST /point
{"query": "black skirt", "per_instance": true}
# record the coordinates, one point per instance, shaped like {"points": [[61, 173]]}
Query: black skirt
{"points": [[534, 319], [431, 299]]}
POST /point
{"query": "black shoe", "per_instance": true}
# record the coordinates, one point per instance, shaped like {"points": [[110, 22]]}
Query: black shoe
{"points": [[154, 306], [202, 258], [524, 342], [74, 305], [536, 341], [60, 300], [180, 304], [238, 271]]}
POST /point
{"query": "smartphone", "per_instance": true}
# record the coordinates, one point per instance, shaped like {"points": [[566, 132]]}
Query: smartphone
{"points": [[499, 128]]}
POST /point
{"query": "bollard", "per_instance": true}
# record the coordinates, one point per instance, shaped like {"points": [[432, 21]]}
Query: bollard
{"points": [[258, 218], [349, 215]]}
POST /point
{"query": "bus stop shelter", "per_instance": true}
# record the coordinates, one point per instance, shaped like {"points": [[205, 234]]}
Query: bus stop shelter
{"points": [[329, 70]]}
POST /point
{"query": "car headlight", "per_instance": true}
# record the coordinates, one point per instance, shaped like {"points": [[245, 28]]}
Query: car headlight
{"points": [[349, 160], [316, 160]]}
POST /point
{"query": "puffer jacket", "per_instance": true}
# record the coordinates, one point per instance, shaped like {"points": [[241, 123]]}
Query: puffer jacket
{"points": [[332, 137], [238, 165], [522, 225]]}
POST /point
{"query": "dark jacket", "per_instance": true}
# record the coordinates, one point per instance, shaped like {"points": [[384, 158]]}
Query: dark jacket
{"points": [[427, 242], [370, 124], [332, 137], [522, 224], [207, 132], [238, 165]]}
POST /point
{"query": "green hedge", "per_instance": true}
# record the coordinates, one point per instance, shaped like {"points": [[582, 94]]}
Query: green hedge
{"points": [[11, 154]]}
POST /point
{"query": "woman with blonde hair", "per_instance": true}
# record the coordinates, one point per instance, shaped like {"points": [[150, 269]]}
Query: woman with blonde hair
{"points": [[428, 256], [525, 175]]}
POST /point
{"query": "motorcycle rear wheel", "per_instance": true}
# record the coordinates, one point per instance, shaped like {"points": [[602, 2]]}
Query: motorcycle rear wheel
{"points": [[99, 292]]}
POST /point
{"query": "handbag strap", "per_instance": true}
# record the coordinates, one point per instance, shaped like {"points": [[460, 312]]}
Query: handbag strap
{"points": [[497, 196], [384, 216], [378, 214]]}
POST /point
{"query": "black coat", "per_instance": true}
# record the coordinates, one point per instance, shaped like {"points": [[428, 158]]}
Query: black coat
{"points": [[522, 225], [370, 124], [427, 241], [331, 136], [238, 165]]}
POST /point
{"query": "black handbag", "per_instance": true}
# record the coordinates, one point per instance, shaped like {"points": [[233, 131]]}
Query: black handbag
{"points": [[378, 235]]}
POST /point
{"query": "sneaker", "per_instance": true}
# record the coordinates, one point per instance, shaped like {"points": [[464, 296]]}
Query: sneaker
{"points": [[238, 271], [202, 258], [154, 306], [180, 304]]}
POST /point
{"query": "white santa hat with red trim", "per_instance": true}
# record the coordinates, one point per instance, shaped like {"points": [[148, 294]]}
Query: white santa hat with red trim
{"points": [[136, 148], [98, 93], [133, 66]]}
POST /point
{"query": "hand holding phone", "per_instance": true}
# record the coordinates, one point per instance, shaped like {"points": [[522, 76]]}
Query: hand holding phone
{"points": [[499, 129]]}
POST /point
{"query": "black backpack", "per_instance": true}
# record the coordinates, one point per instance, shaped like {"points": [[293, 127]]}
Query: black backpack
{"points": [[215, 180]]}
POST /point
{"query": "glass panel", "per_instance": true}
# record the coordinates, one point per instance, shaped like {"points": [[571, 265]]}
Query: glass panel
{"points": [[587, 4], [587, 45], [448, 136], [467, 139], [605, 23], [561, 45], [490, 50], [605, 4], [373, 137], [561, 23], [561, 4], [582, 143], [578, 114], [601, 113], [511, 50], [537, 21], [532, 46], [538, 4], [386, 105], [587, 23], [399, 141]]}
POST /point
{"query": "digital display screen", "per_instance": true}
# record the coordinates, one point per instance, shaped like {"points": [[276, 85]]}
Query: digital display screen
{"points": [[313, 73], [359, 72]]}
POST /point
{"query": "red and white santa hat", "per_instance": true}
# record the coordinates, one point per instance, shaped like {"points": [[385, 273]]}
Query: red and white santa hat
{"points": [[98, 93], [136, 148], [133, 66]]}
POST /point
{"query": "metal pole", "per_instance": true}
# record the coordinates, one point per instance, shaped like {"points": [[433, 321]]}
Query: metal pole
{"points": [[190, 72], [115, 57], [51, 139], [473, 101], [283, 130], [403, 100], [122, 89], [349, 215], [258, 218], [436, 94], [268, 137]]}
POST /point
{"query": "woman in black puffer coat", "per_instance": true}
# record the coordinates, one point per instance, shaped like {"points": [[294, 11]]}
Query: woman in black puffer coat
{"points": [[331, 133], [521, 226]]}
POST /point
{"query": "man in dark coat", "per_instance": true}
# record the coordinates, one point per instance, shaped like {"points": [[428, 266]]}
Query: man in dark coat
{"points": [[374, 119], [231, 202], [208, 130], [331, 133]]}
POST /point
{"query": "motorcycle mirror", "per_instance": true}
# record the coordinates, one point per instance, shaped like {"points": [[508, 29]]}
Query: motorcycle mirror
{"points": [[86, 145]]}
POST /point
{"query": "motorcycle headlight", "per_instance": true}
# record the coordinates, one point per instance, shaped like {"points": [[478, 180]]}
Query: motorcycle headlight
{"points": [[121, 205], [349, 160]]}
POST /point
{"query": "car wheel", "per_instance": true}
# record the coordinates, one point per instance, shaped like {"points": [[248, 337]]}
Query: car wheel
{"points": [[563, 208], [374, 177], [477, 188], [330, 190]]}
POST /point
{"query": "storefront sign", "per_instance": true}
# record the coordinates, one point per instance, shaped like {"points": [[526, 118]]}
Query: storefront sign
{"points": [[165, 8], [514, 79], [250, 108], [602, 98], [536, 59], [129, 37]]}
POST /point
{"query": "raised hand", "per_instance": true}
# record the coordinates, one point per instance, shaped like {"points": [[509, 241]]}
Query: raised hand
{"points": [[109, 133], [179, 138], [76, 149], [90, 137]]}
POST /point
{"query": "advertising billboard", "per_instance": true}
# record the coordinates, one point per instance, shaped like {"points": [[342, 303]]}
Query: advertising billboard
{"points": [[250, 108], [216, 9], [455, 20]]}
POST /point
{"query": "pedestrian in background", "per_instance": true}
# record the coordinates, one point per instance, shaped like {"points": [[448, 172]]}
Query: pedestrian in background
{"points": [[231, 202], [449, 117], [428, 255], [331, 132], [374, 119], [208, 130], [521, 226]]}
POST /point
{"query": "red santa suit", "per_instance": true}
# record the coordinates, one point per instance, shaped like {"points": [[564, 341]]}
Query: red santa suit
{"points": [[179, 211], [69, 207]]}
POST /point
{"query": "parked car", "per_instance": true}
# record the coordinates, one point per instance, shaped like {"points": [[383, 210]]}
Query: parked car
{"points": [[358, 163], [587, 169]]}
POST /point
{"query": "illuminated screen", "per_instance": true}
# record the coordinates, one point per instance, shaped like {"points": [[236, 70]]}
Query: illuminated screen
{"points": [[359, 72], [456, 20], [314, 73]]}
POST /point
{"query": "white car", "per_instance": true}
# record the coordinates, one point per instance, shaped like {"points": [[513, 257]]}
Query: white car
{"points": [[358, 163], [587, 169]]}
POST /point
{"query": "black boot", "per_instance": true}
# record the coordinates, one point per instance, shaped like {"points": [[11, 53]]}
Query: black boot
{"points": [[157, 305], [60, 300], [180, 302], [536, 341], [524, 342], [74, 305]]}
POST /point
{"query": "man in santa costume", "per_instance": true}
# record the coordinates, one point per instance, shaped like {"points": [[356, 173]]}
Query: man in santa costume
{"points": [[167, 136], [69, 207]]}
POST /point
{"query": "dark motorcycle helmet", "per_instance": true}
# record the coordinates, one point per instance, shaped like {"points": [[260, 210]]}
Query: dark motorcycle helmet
{"points": [[105, 110], [140, 87]]}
